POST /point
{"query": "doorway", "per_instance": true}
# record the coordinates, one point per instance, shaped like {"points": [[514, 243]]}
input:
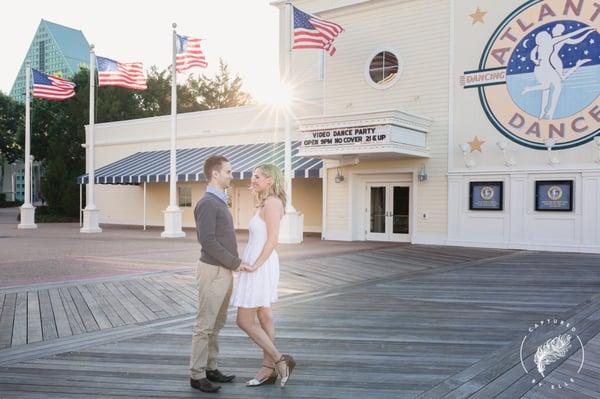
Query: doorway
{"points": [[388, 212]]}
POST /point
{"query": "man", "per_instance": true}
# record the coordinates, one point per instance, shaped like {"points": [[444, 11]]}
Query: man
{"points": [[214, 279]]}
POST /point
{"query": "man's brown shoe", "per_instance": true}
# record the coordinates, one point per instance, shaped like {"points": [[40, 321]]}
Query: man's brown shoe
{"points": [[204, 385], [217, 376]]}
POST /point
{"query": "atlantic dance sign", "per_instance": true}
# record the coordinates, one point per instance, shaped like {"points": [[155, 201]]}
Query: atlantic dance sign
{"points": [[539, 74]]}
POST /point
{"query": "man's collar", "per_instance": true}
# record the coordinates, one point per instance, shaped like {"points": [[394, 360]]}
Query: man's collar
{"points": [[221, 194]]}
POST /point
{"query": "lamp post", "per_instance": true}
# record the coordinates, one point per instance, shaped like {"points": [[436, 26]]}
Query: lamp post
{"points": [[549, 143], [597, 142], [508, 162], [464, 147]]}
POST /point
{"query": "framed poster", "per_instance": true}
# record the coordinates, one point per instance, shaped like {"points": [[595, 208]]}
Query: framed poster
{"points": [[485, 195], [554, 195]]}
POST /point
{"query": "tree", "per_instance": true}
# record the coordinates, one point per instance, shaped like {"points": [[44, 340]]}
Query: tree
{"points": [[219, 92], [58, 127], [58, 132], [156, 99], [12, 115]]}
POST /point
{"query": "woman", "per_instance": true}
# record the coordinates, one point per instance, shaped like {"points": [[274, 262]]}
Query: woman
{"points": [[256, 288]]}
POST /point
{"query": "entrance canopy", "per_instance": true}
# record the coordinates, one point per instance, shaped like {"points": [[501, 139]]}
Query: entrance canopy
{"points": [[153, 166]]}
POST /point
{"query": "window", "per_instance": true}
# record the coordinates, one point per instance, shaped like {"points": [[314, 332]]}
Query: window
{"points": [[42, 56], [383, 69], [185, 196]]}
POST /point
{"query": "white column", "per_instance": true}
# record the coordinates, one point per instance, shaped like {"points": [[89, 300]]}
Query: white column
{"points": [[27, 210], [173, 214], [90, 213], [292, 225]]}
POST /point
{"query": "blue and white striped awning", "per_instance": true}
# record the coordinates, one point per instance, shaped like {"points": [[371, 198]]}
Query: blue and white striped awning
{"points": [[153, 166]]}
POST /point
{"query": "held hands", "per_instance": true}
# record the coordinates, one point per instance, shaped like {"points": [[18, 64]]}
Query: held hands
{"points": [[244, 267]]}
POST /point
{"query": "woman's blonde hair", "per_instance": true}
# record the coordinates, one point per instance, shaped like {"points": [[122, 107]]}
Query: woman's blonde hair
{"points": [[276, 189]]}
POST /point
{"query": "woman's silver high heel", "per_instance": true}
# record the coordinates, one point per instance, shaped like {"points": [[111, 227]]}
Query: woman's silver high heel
{"points": [[270, 380], [290, 364]]}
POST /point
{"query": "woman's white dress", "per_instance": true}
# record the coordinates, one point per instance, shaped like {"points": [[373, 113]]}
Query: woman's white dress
{"points": [[257, 289]]}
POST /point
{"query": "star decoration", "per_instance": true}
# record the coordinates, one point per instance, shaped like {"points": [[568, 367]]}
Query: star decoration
{"points": [[477, 16], [475, 144]]}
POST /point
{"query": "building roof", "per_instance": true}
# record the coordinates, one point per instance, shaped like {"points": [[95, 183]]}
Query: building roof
{"points": [[71, 42]]}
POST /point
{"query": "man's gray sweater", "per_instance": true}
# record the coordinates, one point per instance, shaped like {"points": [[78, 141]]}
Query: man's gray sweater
{"points": [[216, 234]]}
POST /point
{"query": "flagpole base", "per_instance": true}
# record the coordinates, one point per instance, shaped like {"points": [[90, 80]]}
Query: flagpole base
{"points": [[173, 223], [90, 221], [27, 217], [291, 227]]}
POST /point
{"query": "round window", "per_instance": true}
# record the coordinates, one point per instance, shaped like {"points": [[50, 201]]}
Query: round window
{"points": [[383, 69]]}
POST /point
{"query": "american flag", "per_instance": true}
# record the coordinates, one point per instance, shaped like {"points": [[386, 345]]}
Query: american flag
{"points": [[312, 32], [189, 54], [114, 73], [51, 87]]}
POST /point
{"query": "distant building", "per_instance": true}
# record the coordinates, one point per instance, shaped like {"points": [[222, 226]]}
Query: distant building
{"points": [[55, 49]]}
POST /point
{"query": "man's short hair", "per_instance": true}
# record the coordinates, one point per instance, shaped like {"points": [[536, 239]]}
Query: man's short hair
{"points": [[212, 163]]}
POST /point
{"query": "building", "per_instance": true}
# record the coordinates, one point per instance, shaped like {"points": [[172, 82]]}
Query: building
{"points": [[440, 122], [55, 49], [12, 181]]}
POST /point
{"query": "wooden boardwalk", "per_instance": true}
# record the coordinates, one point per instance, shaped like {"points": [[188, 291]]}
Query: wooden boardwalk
{"points": [[402, 322]]}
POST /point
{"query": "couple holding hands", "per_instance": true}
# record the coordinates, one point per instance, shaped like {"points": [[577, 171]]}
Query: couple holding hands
{"points": [[256, 288]]}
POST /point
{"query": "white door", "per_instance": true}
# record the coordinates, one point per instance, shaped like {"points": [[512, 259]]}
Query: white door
{"points": [[388, 212]]}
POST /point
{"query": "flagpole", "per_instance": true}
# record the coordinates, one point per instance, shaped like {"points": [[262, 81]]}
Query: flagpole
{"points": [[292, 225], [173, 215], [287, 120], [90, 213], [27, 210]]}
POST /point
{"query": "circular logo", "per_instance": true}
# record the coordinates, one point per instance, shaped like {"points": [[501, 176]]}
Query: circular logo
{"points": [[546, 346], [555, 193], [542, 66], [487, 193]]}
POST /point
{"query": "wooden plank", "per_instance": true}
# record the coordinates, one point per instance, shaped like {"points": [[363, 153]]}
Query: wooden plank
{"points": [[89, 322], [75, 322], [143, 296], [115, 304], [94, 304], [34, 320], [109, 312], [165, 303], [20, 324], [6, 320], [63, 327], [437, 322], [174, 295], [48, 324], [128, 301]]}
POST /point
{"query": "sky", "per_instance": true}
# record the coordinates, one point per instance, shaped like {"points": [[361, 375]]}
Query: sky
{"points": [[242, 32]]}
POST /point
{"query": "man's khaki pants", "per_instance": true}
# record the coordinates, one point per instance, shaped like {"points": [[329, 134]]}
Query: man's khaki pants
{"points": [[214, 284]]}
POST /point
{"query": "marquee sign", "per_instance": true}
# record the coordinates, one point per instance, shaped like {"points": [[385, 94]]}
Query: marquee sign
{"points": [[355, 136], [539, 74]]}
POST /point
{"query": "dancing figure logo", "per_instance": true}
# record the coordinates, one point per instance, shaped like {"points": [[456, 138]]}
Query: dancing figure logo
{"points": [[539, 74]]}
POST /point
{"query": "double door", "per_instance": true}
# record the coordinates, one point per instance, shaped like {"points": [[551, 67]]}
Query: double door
{"points": [[388, 212]]}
